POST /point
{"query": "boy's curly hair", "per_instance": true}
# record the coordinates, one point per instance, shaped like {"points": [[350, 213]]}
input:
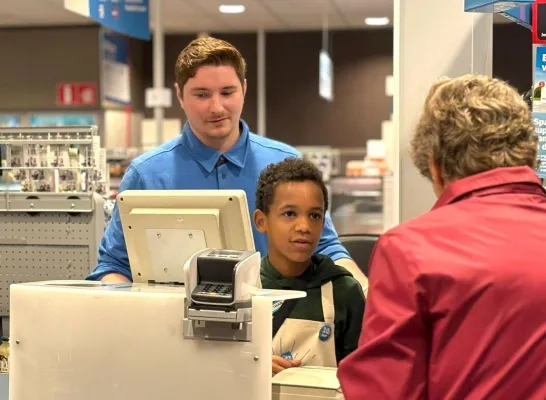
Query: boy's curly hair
{"points": [[289, 170]]}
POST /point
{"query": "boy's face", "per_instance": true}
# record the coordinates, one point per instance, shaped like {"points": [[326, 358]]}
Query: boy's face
{"points": [[295, 221]]}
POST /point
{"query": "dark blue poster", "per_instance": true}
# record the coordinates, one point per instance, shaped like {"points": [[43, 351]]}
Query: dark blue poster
{"points": [[129, 17]]}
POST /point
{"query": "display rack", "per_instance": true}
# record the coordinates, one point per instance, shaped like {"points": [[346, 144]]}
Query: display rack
{"points": [[51, 208], [118, 160], [52, 160]]}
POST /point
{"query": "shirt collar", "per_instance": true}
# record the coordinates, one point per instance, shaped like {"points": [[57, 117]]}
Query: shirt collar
{"points": [[504, 177], [208, 157]]}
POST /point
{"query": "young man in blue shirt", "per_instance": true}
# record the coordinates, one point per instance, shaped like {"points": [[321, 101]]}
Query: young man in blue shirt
{"points": [[215, 151]]}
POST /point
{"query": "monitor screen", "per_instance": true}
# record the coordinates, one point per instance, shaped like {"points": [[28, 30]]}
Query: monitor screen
{"points": [[164, 228]]}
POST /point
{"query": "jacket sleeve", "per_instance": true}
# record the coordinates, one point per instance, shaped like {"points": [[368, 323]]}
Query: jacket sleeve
{"points": [[113, 256], [353, 297], [391, 360], [329, 243]]}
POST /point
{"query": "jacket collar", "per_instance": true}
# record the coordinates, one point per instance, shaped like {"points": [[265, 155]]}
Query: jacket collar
{"points": [[208, 157], [505, 180]]}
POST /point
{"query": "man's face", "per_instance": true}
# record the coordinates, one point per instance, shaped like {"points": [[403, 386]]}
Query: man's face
{"points": [[213, 102], [295, 221]]}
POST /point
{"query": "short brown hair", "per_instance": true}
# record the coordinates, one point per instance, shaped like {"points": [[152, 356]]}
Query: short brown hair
{"points": [[208, 51], [473, 124]]}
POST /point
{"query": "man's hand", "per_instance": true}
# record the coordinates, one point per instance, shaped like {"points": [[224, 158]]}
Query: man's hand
{"points": [[280, 364], [114, 278]]}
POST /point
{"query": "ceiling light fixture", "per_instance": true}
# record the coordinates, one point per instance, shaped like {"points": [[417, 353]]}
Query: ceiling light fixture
{"points": [[377, 21], [231, 8]]}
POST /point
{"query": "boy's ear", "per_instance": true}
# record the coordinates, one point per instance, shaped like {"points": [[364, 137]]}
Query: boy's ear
{"points": [[260, 221]]}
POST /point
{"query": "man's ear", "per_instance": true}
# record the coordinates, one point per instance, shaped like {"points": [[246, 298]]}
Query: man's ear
{"points": [[179, 95], [260, 220]]}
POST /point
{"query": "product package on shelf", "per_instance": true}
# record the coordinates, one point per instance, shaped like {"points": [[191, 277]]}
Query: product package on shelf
{"points": [[117, 161], [322, 157], [52, 160]]}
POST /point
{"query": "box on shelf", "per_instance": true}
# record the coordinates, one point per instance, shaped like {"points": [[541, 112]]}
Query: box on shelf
{"points": [[52, 160]]}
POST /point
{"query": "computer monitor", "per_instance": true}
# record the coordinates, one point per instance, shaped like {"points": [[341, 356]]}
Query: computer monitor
{"points": [[164, 228]]}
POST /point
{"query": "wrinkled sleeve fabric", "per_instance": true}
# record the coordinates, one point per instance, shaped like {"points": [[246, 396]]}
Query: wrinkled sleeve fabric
{"points": [[329, 243], [391, 360], [113, 258]]}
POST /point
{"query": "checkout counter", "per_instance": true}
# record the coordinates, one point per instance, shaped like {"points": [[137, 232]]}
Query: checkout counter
{"points": [[309, 383], [194, 324], [208, 337]]}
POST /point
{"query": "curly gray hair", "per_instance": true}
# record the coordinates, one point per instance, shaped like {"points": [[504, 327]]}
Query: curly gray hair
{"points": [[472, 124]]}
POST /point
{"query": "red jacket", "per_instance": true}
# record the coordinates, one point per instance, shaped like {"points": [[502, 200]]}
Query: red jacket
{"points": [[457, 302]]}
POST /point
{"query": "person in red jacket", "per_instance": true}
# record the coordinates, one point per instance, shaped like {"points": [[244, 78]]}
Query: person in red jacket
{"points": [[456, 308]]}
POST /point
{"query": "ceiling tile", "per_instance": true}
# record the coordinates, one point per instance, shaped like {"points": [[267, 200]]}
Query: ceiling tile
{"points": [[296, 7], [203, 15]]}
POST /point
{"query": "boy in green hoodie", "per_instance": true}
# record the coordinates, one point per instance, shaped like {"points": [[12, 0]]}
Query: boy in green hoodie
{"points": [[324, 327]]}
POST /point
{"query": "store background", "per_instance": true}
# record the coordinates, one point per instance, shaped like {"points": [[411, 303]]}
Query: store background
{"points": [[38, 59]]}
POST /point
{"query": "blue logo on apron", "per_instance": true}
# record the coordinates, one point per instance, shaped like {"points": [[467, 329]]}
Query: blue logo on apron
{"points": [[287, 355], [325, 332]]}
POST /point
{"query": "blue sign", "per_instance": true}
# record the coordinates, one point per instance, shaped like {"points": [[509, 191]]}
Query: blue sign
{"points": [[129, 17], [539, 79], [539, 119], [62, 119], [10, 121], [493, 6], [520, 15], [116, 69], [539, 105], [115, 48], [540, 62]]}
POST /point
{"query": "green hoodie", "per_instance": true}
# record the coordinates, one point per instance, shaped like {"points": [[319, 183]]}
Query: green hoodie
{"points": [[349, 299]]}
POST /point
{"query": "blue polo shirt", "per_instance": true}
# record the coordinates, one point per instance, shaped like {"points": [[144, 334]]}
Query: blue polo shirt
{"points": [[186, 163]]}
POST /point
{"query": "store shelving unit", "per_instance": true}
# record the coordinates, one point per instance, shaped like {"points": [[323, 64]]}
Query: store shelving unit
{"points": [[51, 207], [118, 160], [51, 160]]}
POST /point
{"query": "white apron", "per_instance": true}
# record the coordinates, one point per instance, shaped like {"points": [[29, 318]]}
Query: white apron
{"points": [[312, 342]]}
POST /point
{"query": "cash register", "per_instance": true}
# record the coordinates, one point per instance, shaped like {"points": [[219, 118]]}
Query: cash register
{"points": [[219, 288], [199, 331], [220, 285]]}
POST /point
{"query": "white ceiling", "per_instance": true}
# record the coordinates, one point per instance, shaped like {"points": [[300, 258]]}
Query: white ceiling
{"points": [[203, 15]]}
